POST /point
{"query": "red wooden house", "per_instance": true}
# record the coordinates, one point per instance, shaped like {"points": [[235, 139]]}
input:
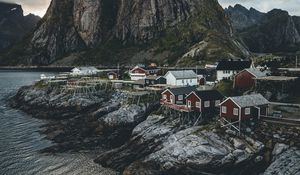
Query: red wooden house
{"points": [[141, 72], [175, 97], [204, 101], [244, 107], [246, 78]]}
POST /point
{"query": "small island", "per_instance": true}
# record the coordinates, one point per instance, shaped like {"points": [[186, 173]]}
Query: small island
{"points": [[133, 125]]}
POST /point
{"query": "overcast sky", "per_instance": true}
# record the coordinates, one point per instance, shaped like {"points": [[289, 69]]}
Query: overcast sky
{"points": [[292, 6], [39, 7]]}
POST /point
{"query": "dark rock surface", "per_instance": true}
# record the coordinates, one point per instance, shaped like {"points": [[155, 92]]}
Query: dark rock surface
{"points": [[160, 146], [286, 163], [81, 122], [275, 31], [108, 32], [14, 25]]}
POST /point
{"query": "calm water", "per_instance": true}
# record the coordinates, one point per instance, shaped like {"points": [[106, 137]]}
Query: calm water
{"points": [[20, 140]]}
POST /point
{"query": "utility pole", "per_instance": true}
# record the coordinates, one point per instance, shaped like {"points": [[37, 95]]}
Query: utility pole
{"points": [[296, 61]]}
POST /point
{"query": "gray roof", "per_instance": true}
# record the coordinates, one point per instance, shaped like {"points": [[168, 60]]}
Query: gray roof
{"points": [[257, 73], [183, 90], [183, 74], [90, 68], [250, 100]]}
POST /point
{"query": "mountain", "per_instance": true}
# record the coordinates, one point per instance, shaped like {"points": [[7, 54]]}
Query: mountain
{"points": [[275, 31], [13, 24], [105, 32]]}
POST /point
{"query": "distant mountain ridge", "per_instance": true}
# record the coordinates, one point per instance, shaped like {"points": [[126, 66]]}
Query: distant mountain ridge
{"points": [[106, 32], [13, 24], [275, 31]]}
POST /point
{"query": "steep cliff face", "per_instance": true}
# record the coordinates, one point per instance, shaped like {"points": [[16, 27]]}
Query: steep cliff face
{"points": [[242, 18], [105, 31], [13, 24], [275, 31]]}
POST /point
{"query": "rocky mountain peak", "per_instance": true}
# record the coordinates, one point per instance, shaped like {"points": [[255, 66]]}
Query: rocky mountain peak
{"points": [[153, 30], [275, 31], [13, 24]]}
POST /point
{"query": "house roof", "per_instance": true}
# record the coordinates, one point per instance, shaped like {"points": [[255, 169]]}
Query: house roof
{"points": [[90, 68], [182, 90], [277, 78], [145, 67], [209, 95], [233, 65], [153, 77], [257, 73], [183, 74], [249, 100]]}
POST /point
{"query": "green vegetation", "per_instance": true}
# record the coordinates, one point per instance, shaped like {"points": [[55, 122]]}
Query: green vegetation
{"points": [[40, 85], [226, 87]]}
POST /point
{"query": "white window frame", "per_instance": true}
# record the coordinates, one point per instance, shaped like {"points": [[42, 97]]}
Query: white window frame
{"points": [[180, 97], [189, 103], [207, 104], [247, 111], [224, 109], [217, 102], [198, 104], [235, 111]]}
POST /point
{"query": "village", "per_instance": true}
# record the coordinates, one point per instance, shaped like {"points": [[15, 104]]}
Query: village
{"points": [[234, 92]]}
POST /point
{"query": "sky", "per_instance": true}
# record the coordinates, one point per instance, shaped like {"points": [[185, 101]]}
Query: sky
{"points": [[39, 7]]}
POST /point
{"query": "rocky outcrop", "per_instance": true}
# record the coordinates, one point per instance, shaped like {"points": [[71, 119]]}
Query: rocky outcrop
{"points": [[159, 30], [39, 101], [159, 146], [285, 163], [275, 31], [242, 18], [13, 24]]}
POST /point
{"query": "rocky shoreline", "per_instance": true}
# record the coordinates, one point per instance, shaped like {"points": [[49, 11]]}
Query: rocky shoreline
{"points": [[143, 139]]}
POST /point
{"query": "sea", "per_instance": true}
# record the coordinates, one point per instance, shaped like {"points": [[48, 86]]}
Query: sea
{"points": [[21, 142]]}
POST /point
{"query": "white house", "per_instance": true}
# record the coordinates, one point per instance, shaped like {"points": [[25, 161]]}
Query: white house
{"points": [[182, 78], [226, 69], [84, 71]]}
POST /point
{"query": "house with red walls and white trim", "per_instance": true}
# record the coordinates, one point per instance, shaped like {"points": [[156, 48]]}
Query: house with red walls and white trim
{"points": [[206, 101], [234, 110]]}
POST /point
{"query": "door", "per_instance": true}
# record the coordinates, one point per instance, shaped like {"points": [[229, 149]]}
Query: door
{"points": [[255, 112], [189, 104], [172, 98]]}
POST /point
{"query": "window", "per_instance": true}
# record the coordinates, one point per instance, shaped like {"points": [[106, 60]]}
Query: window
{"points": [[189, 103], [191, 80], [164, 97], [182, 81], [247, 111], [180, 97], [172, 99], [235, 111], [206, 104], [217, 102], [198, 105], [224, 109]]}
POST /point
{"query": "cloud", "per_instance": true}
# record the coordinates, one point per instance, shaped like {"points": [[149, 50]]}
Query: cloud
{"points": [[292, 6], [38, 7]]}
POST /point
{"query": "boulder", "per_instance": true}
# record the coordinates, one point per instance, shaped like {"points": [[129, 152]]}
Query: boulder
{"points": [[286, 163]]}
